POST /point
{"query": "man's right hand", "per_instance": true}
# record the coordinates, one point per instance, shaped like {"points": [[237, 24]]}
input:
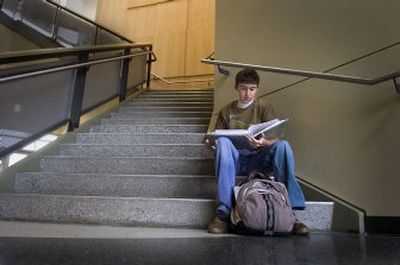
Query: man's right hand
{"points": [[209, 144]]}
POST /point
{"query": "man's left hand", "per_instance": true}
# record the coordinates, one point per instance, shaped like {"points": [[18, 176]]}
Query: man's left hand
{"points": [[261, 141]]}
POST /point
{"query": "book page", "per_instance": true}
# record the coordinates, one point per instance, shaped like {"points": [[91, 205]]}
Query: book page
{"points": [[227, 132], [258, 128]]}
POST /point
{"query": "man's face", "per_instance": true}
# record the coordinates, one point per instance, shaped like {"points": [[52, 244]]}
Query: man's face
{"points": [[246, 92]]}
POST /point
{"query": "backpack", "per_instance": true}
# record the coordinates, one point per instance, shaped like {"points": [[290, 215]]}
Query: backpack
{"points": [[262, 208]]}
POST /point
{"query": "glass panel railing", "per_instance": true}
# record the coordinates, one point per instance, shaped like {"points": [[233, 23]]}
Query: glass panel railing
{"points": [[105, 37], [137, 71], [39, 15], [102, 81], [43, 90], [74, 31], [52, 20], [29, 106], [11, 8]]}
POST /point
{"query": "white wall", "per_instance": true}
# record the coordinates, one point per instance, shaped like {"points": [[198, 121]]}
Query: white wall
{"points": [[345, 136]]}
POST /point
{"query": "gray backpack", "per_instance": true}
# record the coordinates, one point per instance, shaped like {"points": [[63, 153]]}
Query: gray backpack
{"points": [[262, 208]]}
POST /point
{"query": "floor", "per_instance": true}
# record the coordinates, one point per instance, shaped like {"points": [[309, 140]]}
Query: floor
{"points": [[117, 245]]}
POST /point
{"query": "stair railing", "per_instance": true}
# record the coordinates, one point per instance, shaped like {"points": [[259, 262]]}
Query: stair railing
{"points": [[98, 26], [309, 74], [157, 76], [42, 90], [60, 24]]}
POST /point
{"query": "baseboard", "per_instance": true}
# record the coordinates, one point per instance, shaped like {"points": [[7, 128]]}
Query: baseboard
{"points": [[382, 224]]}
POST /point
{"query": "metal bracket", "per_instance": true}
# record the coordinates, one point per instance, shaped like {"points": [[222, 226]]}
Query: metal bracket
{"points": [[396, 85], [223, 71]]}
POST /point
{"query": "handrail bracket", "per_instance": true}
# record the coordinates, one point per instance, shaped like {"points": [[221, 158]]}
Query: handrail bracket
{"points": [[396, 85], [223, 71]]}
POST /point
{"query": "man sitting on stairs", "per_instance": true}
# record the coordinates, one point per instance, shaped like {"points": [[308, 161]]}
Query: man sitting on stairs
{"points": [[270, 155]]}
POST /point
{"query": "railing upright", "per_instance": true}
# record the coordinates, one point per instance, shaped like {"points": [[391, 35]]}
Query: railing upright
{"points": [[123, 82], [79, 89], [149, 62]]}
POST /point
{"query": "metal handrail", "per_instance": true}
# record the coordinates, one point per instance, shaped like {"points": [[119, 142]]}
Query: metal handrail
{"points": [[19, 56], [67, 67], [309, 74], [89, 21], [156, 76]]}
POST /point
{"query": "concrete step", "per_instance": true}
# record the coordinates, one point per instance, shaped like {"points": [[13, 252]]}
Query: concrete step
{"points": [[158, 121], [144, 138], [169, 104], [144, 115], [133, 211], [179, 92], [172, 98], [149, 128], [128, 165], [160, 186], [164, 109], [130, 150]]}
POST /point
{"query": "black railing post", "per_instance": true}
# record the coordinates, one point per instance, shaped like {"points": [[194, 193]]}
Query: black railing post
{"points": [[96, 36], [55, 25], [123, 81], [149, 61], [79, 89]]}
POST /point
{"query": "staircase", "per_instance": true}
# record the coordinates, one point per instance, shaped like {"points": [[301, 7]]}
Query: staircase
{"points": [[143, 166]]}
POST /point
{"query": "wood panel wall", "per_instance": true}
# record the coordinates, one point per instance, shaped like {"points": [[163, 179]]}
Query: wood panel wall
{"points": [[182, 31]]}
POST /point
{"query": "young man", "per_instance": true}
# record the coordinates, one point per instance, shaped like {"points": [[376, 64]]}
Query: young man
{"points": [[269, 156]]}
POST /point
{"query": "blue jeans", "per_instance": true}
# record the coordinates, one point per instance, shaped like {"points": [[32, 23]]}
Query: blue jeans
{"points": [[230, 162]]}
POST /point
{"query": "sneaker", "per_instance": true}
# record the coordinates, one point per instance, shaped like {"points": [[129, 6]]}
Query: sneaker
{"points": [[300, 229], [217, 226]]}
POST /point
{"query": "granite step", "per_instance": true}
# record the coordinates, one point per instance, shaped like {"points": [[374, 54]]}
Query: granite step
{"points": [[144, 115], [179, 92], [128, 165], [169, 104], [89, 184], [133, 211], [130, 150], [144, 138], [149, 128], [129, 211], [169, 98], [158, 121], [189, 108]]}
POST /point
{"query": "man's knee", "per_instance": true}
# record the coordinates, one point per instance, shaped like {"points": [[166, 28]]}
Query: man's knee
{"points": [[223, 142], [282, 146]]}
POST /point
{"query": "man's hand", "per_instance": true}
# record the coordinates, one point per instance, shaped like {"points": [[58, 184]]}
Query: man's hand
{"points": [[208, 144], [261, 141]]}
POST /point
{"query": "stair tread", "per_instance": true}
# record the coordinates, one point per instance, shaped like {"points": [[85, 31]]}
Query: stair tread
{"points": [[108, 174], [308, 203]]}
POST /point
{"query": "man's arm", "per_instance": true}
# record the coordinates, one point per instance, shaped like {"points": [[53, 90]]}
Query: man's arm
{"points": [[219, 124]]}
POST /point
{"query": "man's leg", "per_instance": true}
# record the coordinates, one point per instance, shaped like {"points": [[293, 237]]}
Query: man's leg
{"points": [[279, 159], [226, 159]]}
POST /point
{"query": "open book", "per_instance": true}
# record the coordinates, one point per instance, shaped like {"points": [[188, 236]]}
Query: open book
{"points": [[271, 129]]}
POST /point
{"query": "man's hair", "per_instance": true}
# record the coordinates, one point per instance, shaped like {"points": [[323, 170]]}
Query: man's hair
{"points": [[247, 76]]}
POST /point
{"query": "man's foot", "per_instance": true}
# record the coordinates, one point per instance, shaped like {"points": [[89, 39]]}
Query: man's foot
{"points": [[300, 229], [217, 226]]}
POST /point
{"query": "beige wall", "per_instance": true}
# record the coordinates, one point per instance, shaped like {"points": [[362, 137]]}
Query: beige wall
{"points": [[12, 41], [182, 31], [345, 137]]}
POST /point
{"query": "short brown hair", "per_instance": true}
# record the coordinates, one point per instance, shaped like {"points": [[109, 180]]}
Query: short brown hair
{"points": [[247, 76]]}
